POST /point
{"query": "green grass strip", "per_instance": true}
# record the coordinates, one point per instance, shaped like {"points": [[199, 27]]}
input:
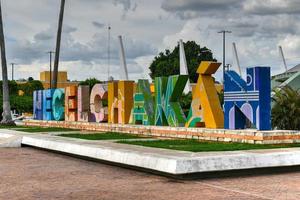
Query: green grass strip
{"points": [[11, 127], [204, 146], [102, 136], [45, 129]]}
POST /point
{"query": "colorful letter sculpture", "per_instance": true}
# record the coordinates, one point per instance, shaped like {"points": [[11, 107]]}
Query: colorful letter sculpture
{"points": [[167, 92], [71, 103], [58, 104], [143, 107], [248, 102], [83, 103], [113, 102], [205, 105], [38, 105], [47, 104], [99, 112], [120, 101]]}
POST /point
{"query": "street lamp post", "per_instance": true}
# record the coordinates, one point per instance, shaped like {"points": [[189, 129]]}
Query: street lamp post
{"points": [[224, 50], [12, 70], [50, 67]]}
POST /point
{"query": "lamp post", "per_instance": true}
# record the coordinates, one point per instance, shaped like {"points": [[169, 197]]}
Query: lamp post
{"points": [[12, 70], [224, 50], [50, 67], [108, 51]]}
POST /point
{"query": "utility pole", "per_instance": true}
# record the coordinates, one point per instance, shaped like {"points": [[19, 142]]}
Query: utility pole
{"points": [[224, 50], [108, 52], [12, 70], [50, 68]]}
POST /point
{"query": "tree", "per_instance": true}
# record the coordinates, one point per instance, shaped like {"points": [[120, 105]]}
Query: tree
{"points": [[167, 63], [90, 82], [12, 87], [58, 40], [31, 86], [7, 118], [286, 109]]}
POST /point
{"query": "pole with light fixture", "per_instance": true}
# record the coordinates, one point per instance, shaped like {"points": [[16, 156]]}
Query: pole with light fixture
{"points": [[224, 50]]}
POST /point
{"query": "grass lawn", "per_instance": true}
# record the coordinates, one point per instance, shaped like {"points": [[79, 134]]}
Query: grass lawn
{"points": [[11, 127], [44, 129], [201, 146], [102, 136]]}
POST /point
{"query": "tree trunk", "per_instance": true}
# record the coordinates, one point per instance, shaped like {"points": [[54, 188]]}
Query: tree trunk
{"points": [[58, 40], [7, 118]]}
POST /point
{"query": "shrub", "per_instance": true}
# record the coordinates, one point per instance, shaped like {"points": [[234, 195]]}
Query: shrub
{"points": [[29, 87], [286, 109]]}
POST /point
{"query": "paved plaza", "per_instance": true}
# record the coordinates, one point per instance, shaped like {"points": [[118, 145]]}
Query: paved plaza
{"points": [[28, 173]]}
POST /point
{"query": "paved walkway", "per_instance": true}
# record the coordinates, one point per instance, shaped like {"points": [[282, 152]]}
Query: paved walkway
{"points": [[28, 173]]}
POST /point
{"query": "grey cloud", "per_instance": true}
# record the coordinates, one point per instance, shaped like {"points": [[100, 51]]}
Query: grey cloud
{"points": [[280, 25], [26, 52], [98, 24], [239, 28], [258, 26], [195, 8], [43, 36], [271, 7], [197, 5], [69, 29], [127, 4]]}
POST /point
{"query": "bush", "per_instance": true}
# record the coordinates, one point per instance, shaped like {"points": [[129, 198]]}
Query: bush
{"points": [[185, 102], [286, 109], [29, 87], [13, 87], [19, 103]]}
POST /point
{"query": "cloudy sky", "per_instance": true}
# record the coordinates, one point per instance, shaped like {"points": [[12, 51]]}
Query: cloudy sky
{"points": [[258, 27]]}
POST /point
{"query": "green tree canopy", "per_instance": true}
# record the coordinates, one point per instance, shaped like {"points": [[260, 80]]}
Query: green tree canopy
{"points": [[13, 87], [90, 82], [286, 109], [29, 87], [167, 63]]}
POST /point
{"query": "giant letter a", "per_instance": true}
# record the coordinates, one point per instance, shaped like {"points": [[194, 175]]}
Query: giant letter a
{"points": [[205, 108]]}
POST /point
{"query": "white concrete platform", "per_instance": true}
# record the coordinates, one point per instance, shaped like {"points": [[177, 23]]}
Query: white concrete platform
{"points": [[9, 140], [162, 160]]}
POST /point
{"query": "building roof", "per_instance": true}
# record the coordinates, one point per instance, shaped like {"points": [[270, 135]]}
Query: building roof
{"points": [[295, 69]]}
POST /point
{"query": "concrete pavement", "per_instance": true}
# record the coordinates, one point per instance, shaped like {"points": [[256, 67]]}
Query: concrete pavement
{"points": [[33, 174]]}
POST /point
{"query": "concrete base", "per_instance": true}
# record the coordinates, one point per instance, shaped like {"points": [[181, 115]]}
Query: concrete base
{"points": [[8, 140], [242, 136], [162, 160]]}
